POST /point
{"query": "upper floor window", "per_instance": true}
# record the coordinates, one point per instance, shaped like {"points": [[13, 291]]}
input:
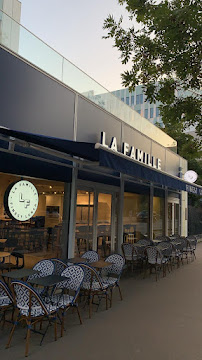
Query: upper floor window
{"points": [[132, 100], [122, 99], [151, 113], [157, 112], [146, 113], [127, 100], [137, 99], [141, 98]]}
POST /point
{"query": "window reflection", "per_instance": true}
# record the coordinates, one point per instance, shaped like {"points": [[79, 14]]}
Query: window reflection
{"points": [[135, 217], [40, 236], [158, 216], [84, 222]]}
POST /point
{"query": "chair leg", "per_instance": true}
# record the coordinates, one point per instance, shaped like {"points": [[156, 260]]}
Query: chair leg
{"points": [[62, 324], [90, 306], [28, 338], [79, 315], [11, 335], [55, 327], [120, 292], [106, 295], [111, 291]]}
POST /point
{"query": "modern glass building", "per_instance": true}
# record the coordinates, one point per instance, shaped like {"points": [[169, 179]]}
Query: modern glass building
{"points": [[78, 168], [137, 100]]}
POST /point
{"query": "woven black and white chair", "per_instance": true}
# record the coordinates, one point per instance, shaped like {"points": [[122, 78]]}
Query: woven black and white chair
{"points": [[114, 271], [6, 301], [192, 240], [44, 268], [156, 260], [69, 291], [93, 286], [130, 254], [178, 250], [59, 266], [167, 251], [91, 256], [32, 309]]}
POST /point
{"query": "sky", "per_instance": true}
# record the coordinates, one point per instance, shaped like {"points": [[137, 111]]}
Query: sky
{"points": [[74, 29]]}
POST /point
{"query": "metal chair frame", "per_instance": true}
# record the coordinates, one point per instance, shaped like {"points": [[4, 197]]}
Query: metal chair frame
{"points": [[29, 319]]}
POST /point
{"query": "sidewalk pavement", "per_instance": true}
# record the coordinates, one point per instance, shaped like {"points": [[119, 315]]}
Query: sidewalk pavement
{"points": [[156, 320]]}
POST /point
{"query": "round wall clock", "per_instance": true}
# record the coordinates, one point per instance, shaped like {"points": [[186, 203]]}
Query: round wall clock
{"points": [[21, 200], [190, 176]]}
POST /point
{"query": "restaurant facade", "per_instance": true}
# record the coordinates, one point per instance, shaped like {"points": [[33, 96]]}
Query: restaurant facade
{"points": [[74, 176]]}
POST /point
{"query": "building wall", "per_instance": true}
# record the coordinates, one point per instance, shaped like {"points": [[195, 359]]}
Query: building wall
{"points": [[42, 105]]}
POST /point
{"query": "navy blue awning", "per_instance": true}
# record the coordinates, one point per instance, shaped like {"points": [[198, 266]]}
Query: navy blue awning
{"points": [[106, 158], [136, 169], [74, 148]]}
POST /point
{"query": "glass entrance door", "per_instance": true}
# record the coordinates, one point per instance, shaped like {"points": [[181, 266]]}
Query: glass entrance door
{"points": [[173, 218], [84, 222], [104, 224]]}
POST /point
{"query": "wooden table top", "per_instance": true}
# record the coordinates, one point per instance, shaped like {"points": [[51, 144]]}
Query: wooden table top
{"points": [[4, 254], [100, 264], [3, 241], [76, 260]]}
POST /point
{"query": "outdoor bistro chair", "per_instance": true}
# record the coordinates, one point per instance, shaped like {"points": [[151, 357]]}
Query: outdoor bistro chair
{"points": [[114, 272], [167, 251], [65, 301], [178, 248], [91, 256], [32, 309], [6, 301], [93, 285], [59, 266], [156, 260], [129, 254], [145, 242], [192, 240], [44, 268]]}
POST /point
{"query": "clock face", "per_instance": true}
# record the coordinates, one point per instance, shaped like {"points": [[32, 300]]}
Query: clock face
{"points": [[190, 176], [22, 200]]}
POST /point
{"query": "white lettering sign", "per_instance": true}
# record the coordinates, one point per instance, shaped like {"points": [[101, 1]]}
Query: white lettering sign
{"points": [[135, 154]]}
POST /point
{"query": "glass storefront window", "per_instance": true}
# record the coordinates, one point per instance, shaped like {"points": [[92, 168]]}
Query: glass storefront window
{"points": [[158, 216], [40, 236], [84, 222], [135, 217], [104, 224]]}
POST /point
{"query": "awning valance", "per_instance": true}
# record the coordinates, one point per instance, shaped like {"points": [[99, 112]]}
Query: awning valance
{"points": [[106, 158]]}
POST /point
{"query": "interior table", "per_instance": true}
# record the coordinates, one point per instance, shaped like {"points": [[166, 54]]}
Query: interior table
{"points": [[4, 254], [2, 241], [100, 264]]}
